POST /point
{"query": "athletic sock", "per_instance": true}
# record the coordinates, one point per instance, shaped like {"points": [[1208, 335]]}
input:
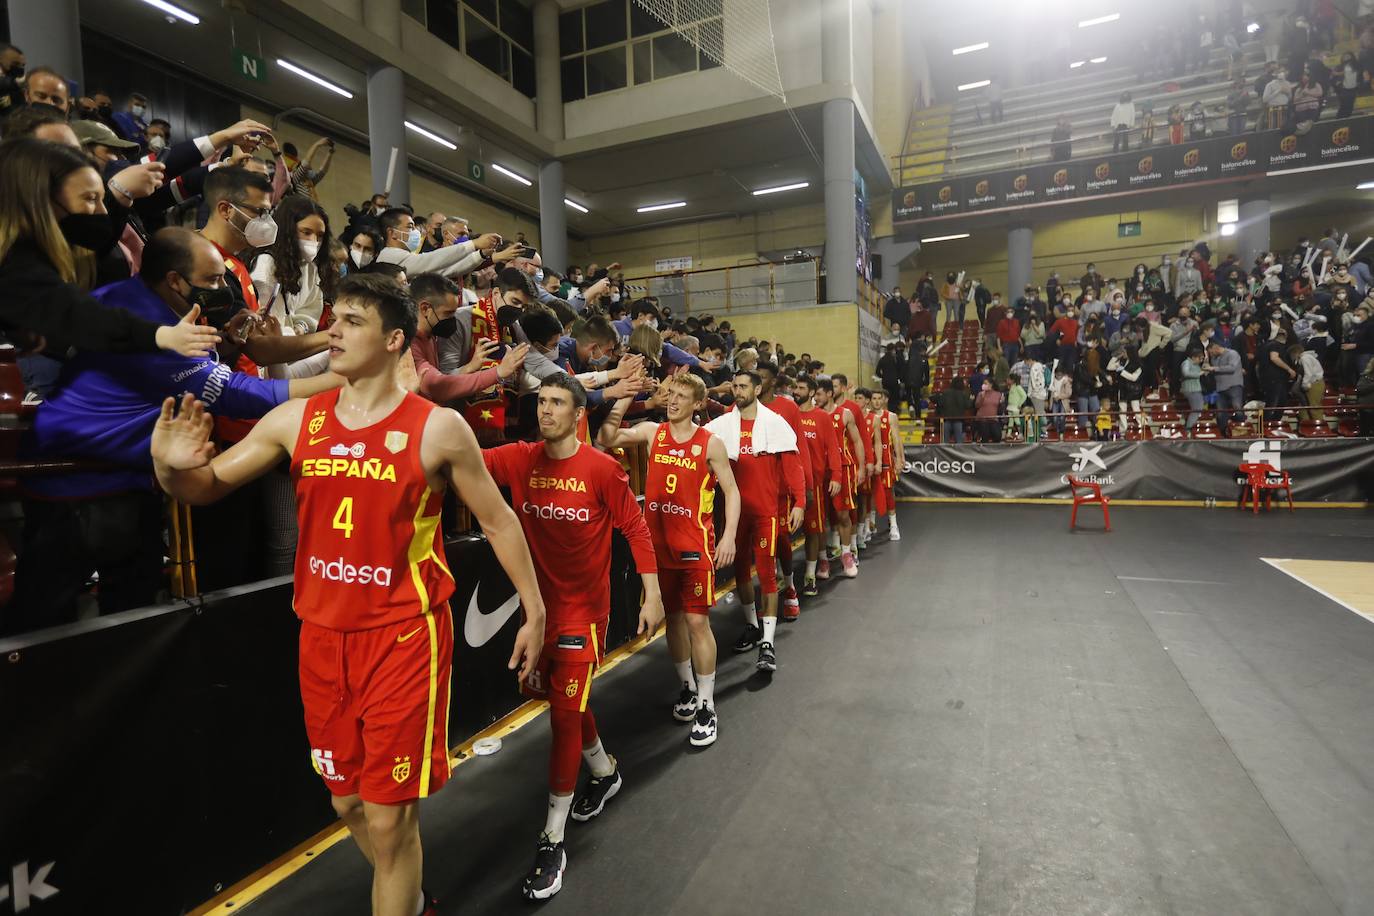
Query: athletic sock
{"points": [[557, 818], [598, 761], [854, 544], [750, 614], [834, 538], [770, 626], [706, 689], [891, 517], [811, 569], [684, 674]]}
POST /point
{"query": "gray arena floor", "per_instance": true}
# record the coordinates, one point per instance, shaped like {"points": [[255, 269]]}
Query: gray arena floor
{"points": [[997, 717]]}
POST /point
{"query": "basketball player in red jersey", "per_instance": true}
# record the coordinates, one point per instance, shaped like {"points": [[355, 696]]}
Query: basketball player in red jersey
{"points": [[852, 455], [768, 470], [889, 443], [568, 496], [685, 463], [787, 409], [818, 435], [370, 463], [863, 470]]}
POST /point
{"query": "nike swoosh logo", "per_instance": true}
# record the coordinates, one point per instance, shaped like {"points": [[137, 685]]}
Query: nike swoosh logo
{"points": [[406, 636], [317, 441], [479, 628]]}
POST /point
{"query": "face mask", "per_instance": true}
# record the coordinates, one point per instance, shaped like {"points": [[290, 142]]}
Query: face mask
{"points": [[599, 361], [106, 110], [615, 297], [539, 275], [414, 239], [216, 303], [16, 72], [137, 110], [308, 249], [1358, 319], [361, 258], [259, 231], [87, 230], [156, 143], [653, 323], [444, 327], [1276, 316]]}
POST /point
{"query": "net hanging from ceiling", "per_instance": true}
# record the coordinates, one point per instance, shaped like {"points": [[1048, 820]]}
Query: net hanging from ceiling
{"points": [[748, 52]]}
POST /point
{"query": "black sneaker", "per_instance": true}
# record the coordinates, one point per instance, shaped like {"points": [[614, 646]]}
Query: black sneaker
{"points": [[594, 797], [748, 639], [810, 589], [704, 728], [768, 660], [546, 875], [685, 709]]}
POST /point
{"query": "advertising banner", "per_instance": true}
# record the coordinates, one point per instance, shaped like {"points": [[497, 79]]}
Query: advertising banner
{"points": [[1321, 470], [1157, 166]]}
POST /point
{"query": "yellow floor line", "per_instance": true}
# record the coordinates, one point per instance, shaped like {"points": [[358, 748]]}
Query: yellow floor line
{"points": [[270, 875]]}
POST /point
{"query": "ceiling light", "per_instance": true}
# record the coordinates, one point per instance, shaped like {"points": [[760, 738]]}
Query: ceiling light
{"points": [[509, 174], [967, 49], [1098, 60], [429, 134], [945, 238], [784, 187], [978, 85], [1365, 186], [1252, 28], [578, 207], [1076, 64], [319, 81], [174, 11], [1228, 229], [1110, 17], [672, 206]]}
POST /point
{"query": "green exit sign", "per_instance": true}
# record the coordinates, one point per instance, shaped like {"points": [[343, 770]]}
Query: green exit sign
{"points": [[1126, 230], [250, 66], [477, 172]]}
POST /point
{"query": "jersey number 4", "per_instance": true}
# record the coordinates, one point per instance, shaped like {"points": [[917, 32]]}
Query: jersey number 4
{"points": [[343, 518]]}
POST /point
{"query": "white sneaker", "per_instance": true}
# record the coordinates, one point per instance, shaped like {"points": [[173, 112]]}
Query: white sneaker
{"points": [[892, 533]]}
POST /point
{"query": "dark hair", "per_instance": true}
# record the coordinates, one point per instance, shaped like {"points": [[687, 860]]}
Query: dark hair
{"points": [[825, 384], [389, 298], [644, 307], [839, 377], [160, 122], [595, 329], [752, 375], [432, 286], [391, 218], [863, 392], [806, 380], [571, 268], [22, 122], [169, 250], [540, 325], [765, 365], [711, 341], [289, 148], [287, 263], [232, 183], [569, 384], [384, 269], [513, 279]]}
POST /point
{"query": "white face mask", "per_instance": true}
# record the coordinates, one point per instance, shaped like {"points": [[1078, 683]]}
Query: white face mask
{"points": [[361, 257], [260, 231], [156, 143], [137, 110], [414, 240], [308, 249], [615, 297]]}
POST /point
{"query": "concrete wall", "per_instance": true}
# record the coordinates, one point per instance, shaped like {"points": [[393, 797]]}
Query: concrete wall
{"points": [[829, 333]]}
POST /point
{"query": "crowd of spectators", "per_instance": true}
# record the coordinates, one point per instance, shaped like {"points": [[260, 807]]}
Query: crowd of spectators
{"points": [[1290, 330]]}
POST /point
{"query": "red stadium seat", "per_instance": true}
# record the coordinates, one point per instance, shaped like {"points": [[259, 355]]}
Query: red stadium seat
{"points": [[1085, 493]]}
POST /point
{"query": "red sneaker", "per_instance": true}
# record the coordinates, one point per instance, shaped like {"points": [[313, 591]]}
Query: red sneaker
{"points": [[823, 569]]}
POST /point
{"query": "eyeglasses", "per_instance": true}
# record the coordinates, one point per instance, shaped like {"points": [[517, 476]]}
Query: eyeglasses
{"points": [[253, 212]]}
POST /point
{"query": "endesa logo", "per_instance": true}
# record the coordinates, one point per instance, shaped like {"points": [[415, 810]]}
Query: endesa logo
{"points": [[337, 570], [668, 508], [556, 513], [941, 466]]}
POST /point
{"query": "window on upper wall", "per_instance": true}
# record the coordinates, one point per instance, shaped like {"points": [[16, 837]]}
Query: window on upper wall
{"points": [[617, 43], [498, 34]]}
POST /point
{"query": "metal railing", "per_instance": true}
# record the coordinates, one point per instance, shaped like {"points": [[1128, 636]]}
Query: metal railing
{"points": [[733, 290]]}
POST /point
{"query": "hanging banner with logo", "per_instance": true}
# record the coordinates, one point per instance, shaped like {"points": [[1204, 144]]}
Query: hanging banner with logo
{"points": [[1322, 470], [1213, 159]]}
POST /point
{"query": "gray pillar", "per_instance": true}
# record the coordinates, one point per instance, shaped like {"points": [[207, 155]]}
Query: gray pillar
{"points": [[49, 34], [548, 74], [1018, 261], [1252, 233], [386, 107], [841, 220], [383, 19], [553, 222]]}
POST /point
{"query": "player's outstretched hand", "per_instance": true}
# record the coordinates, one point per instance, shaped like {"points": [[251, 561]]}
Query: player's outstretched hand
{"points": [[181, 442], [795, 519], [187, 337], [725, 552], [834, 488], [529, 642], [650, 616]]}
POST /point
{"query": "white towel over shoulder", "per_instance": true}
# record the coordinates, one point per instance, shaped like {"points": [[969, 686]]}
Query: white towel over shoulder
{"points": [[771, 433]]}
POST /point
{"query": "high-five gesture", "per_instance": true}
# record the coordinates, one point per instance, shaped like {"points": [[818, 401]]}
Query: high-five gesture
{"points": [[181, 439]]}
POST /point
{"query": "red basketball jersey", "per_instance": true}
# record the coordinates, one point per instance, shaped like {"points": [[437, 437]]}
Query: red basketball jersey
{"points": [[884, 421], [679, 494], [842, 435], [370, 550]]}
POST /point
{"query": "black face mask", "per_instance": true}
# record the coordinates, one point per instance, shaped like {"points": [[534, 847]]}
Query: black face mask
{"points": [[16, 72], [217, 304], [87, 230], [106, 110], [444, 327]]}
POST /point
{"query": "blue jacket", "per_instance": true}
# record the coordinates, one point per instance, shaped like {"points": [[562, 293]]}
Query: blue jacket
{"points": [[106, 404]]}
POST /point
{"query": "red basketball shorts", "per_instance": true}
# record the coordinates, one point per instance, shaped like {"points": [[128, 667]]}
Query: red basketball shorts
{"points": [[687, 591], [758, 544], [572, 653]]}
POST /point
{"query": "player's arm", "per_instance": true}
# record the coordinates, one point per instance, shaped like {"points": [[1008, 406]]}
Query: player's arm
{"points": [[898, 447], [629, 520], [725, 478], [833, 462], [450, 439], [852, 430], [795, 480], [184, 458], [613, 435], [877, 451]]}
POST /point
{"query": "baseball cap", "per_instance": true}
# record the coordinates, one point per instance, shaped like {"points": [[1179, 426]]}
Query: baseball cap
{"points": [[94, 132]]}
